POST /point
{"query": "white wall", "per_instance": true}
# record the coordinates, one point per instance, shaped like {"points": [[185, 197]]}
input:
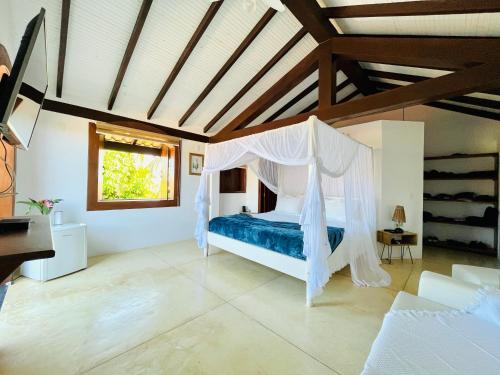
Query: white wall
{"points": [[56, 167], [231, 203], [6, 30], [398, 148]]}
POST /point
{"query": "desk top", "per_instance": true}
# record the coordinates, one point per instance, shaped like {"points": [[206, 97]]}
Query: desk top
{"points": [[35, 243]]}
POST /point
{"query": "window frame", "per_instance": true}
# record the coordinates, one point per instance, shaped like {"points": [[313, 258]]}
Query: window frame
{"points": [[93, 202]]}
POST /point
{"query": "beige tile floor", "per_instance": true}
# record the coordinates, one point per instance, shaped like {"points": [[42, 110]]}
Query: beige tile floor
{"points": [[168, 310]]}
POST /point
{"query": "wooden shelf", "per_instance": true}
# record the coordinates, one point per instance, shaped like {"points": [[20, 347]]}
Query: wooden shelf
{"points": [[485, 251], [493, 203], [462, 156], [460, 178], [464, 177], [453, 222]]}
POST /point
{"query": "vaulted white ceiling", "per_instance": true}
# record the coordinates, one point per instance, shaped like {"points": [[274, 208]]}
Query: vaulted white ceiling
{"points": [[99, 32]]}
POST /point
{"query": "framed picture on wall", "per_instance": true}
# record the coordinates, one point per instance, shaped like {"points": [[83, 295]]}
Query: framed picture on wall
{"points": [[195, 164]]}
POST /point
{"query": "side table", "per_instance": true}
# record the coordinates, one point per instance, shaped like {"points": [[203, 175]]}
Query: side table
{"points": [[404, 240]]}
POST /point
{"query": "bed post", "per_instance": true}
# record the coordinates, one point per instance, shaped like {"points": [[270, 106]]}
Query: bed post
{"points": [[205, 250], [309, 300]]}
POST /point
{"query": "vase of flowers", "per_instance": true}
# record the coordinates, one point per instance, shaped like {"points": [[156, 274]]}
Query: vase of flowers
{"points": [[45, 206]]}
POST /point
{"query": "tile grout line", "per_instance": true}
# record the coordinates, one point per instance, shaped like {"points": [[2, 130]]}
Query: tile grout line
{"points": [[224, 302], [284, 339], [408, 278], [153, 337], [216, 293]]}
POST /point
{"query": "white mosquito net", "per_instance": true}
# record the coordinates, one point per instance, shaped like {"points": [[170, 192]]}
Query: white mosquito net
{"points": [[316, 160]]}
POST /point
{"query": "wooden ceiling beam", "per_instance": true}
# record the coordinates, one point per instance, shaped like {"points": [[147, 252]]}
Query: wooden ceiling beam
{"points": [[95, 115], [229, 63], [325, 74], [296, 75], [63, 40], [448, 86], [395, 76], [485, 103], [412, 78], [293, 101], [314, 104], [132, 42], [413, 8], [471, 100], [430, 52], [465, 110], [451, 85], [261, 73], [195, 38], [312, 17]]}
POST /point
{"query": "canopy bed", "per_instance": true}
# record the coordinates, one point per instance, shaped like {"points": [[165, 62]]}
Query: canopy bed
{"points": [[326, 202]]}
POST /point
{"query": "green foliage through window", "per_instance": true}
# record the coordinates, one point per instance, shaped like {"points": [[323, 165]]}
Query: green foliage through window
{"points": [[127, 175]]}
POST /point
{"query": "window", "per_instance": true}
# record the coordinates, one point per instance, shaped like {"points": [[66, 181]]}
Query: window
{"points": [[130, 168]]}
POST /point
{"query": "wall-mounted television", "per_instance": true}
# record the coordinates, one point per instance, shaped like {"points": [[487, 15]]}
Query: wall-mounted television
{"points": [[22, 93]]}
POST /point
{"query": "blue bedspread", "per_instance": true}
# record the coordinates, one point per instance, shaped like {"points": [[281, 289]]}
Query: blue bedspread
{"points": [[282, 237]]}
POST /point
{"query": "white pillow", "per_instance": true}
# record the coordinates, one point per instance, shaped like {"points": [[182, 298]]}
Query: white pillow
{"points": [[289, 204], [335, 208]]}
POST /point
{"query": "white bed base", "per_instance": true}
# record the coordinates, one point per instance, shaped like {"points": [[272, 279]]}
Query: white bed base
{"points": [[283, 263]]}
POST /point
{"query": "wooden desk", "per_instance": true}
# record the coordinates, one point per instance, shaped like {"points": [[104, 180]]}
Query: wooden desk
{"points": [[18, 247], [405, 240]]}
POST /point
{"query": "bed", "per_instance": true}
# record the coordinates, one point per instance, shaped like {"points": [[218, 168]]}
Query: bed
{"points": [[274, 239], [316, 162]]}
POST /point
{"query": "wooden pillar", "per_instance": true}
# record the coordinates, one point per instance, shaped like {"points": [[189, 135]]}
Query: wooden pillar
{"points": [[325, 75]]}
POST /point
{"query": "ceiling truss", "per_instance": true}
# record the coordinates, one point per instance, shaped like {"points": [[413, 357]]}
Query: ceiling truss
{"points": [[413, 8], [473, 63]]}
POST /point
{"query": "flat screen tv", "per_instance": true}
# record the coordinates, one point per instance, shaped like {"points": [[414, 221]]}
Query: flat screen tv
{"points": [[22, 93]]}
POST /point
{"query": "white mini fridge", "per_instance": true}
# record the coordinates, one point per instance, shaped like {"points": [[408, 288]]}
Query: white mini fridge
{"points": [[70, 245]]}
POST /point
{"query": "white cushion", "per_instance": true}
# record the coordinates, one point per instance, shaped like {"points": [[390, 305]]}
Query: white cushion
{"points": [[443, 289], [476, 275], [407, 301], [289, 204], [335, 208]]}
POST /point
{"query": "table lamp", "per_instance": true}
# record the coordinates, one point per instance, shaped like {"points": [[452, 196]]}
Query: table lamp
{"points": [[399, 218]]}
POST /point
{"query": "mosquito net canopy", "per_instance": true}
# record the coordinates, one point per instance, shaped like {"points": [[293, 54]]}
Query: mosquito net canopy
{"points": [[316, 160]]}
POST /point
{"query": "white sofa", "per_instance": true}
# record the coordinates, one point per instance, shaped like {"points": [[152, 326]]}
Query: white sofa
{"points": [[427, 334]]}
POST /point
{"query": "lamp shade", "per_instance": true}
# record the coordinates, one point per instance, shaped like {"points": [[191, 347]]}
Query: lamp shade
{"points": [[399, 215]]}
